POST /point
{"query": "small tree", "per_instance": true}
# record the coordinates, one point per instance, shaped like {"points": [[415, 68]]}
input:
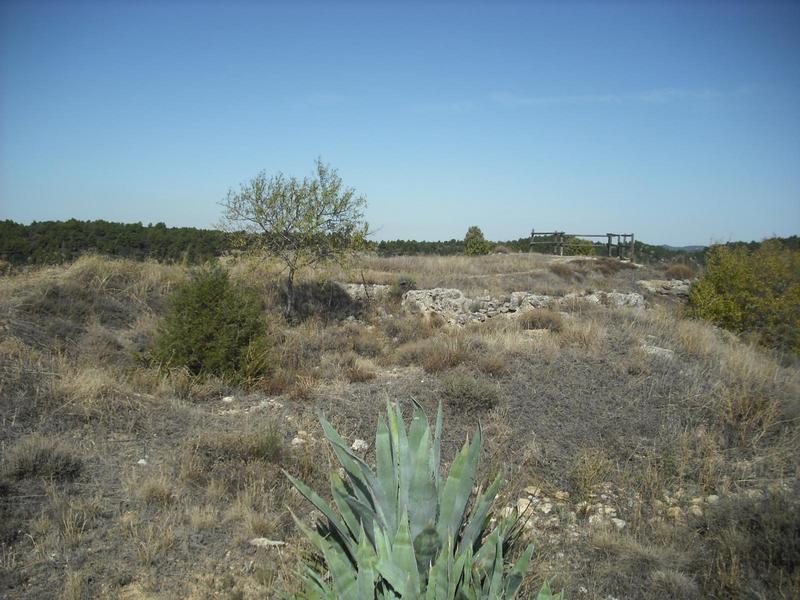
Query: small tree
{"points": [[299, 222], [474, 242]]}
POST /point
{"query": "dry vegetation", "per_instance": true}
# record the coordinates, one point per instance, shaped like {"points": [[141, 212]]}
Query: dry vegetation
{"points": [[120, 479]]}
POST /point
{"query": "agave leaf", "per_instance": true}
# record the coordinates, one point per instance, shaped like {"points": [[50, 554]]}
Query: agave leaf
{"points": [[348, 461], [387, 475], [422, 498], [485, 555], [479, 515], [517, 573], [325, 509], [437, 448], [496, 580], [458, 487], [404, 557], [340, 495], [342, 572], [365, 515], [400, 439], [366, 560], [387, 566], [437, 575]]}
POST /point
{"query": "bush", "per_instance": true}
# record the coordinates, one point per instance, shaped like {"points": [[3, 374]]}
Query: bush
{"points": [[752, 292], [464, 392], [214, 327]]}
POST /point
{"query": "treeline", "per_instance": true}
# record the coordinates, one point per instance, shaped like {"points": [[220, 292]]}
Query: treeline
{"points": [[51, 242]]}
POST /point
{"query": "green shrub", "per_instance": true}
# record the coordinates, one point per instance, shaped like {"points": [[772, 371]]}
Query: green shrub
{"points": [[474, 242], [214, 327], [405, 530], [579, 247], [754, 292]]}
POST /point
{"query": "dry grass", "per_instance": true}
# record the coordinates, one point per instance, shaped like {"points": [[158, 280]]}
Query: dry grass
{"points": [[572, 408]]}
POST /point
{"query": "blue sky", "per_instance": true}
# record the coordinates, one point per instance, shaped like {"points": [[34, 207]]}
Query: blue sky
{"points": [[678, 121]]}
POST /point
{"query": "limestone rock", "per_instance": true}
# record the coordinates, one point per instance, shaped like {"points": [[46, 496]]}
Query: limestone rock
{"points": [[360, 445]]}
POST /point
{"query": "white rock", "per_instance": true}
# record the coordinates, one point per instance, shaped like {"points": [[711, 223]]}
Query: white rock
{"points": [[562, 495], [266, 543], [712, 499], [658, 352], [546, 508], [618, 523], [141, 461], [359, 445], [298, 441], [523, 504], [229, 399], [533, 490]]}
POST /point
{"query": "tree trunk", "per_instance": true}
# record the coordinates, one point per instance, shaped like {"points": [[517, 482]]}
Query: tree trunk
{"points": [[290, 295]]}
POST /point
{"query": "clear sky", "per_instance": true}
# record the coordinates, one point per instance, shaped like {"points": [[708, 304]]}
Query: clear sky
{"points": [[677, 121]]}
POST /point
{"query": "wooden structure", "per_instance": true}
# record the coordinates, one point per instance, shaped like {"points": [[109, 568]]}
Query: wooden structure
{"points": [[621, 245]]}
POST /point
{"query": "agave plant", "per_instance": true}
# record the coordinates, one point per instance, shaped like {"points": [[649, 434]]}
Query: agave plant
{"points": [[404, 532]]}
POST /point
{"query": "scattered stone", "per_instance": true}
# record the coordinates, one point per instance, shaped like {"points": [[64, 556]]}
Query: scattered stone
{"points": [[262, 542], [675, 513], [562, 495], [618, 523], [678, 288], [658, 352], [298, 441], [545, 508], [696, 511], [141, 462], [228, 399], [712, 499], [533, 490], [523, 504], [360, 445]]}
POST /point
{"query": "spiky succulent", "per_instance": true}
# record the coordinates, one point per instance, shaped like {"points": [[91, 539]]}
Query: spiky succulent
{"points": [[402, 532]]}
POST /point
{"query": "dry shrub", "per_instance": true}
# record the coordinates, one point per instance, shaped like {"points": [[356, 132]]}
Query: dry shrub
{"points": [[440, 353], [563, 270], [494, 364], [590, 468], [463, 391], [586, 333], [360, 370], [752, 546], [304, 388], [406, 328], [679, 271], [156, 490], [634, 568], [39, 457], [229, 460], [541, 318]]}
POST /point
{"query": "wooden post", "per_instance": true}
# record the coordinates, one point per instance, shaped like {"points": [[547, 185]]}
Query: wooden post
{"points": [[609, 244], [561, 243], [633, 248]]}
